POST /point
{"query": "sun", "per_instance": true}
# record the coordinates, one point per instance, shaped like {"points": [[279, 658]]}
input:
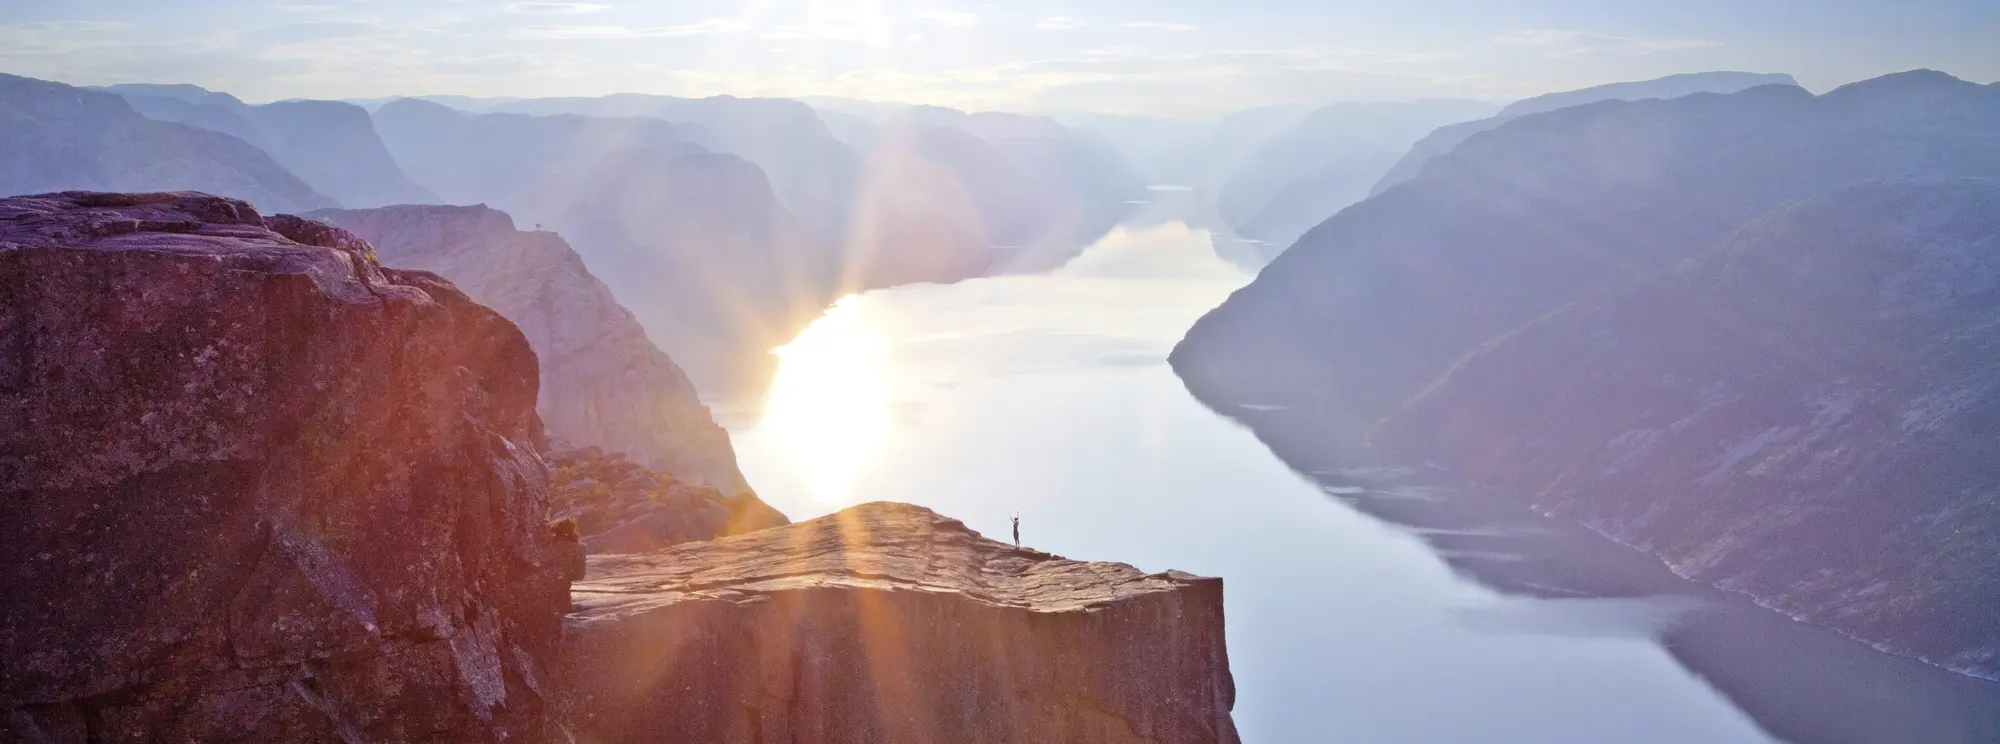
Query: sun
{"points": [[827, 408]]}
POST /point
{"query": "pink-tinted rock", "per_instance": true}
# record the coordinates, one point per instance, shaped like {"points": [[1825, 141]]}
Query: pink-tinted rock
{"points": [[253, 489], [889, 623]]}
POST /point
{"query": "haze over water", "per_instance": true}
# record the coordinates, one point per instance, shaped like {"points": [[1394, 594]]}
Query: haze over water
{"points": [[1050, 396]]}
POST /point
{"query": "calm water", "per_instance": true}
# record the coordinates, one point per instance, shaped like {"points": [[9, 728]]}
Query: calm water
{"points": [[1050, 396]]}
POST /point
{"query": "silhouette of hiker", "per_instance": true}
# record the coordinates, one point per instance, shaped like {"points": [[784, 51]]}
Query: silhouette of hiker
{"points": [[1017, 530]]}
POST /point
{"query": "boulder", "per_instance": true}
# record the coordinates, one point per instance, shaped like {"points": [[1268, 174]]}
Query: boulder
{"points": [[255, 487], [889, 623]]}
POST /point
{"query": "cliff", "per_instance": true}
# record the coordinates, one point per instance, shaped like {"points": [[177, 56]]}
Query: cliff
{"points": [[55, 137], [603, 382], [889, 623], [259, 488], [1802, 414]]}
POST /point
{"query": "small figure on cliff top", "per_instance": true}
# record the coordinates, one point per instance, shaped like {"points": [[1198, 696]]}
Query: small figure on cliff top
{"points": [[1017, 529]]}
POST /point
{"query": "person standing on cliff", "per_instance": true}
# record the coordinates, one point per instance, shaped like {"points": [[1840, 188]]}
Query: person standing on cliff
{"points": [[1017, 529]]}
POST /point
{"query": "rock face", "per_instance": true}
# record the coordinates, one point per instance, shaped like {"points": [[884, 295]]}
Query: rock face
{"points": [[330, 144], [620, 506], [55, 137], [254, 487], [1805, 413], [889, 623], [1672, 86], [603, 383]]}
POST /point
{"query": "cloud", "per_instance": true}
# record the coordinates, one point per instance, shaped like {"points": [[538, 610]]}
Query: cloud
{"points": [[710, 27], [1059, 23], [553, 8], [1578, 43], [954, 19], [1162, 26]]}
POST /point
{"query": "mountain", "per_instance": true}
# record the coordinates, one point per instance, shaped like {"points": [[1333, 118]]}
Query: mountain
{"points": [[1189, 160], [603, 383], [696, 243], [330, 144], [811, 171], [57, 137], [1485, 314], [1084, 186], [1304, 175], [1030, 191], [1673, 86], [1805, 412]]}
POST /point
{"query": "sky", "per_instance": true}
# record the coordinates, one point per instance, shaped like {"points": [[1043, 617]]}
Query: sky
{"points": [[1152, 57]]}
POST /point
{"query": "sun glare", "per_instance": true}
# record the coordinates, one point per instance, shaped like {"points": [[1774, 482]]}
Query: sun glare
{"points": [[828, 404]]}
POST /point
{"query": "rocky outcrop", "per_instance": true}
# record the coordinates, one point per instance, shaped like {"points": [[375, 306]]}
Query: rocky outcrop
{"points": [[55, 137], [1804, 413], [255, 487], [620, 506], [889, 623], [603, 382]]}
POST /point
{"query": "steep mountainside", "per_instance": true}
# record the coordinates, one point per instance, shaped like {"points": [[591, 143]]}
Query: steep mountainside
{"points": [[259, 488], [332, 145], [603, 383], [55, 137], [1377, 301], [1673, 86], [1806, 413], [1306, 174], [694, 242]]}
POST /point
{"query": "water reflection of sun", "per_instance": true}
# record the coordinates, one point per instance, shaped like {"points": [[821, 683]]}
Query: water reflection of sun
{"points": [[827, 405]]}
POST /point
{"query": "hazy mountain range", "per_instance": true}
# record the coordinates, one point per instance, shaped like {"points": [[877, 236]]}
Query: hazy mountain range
{"points": [[1683, 322]]}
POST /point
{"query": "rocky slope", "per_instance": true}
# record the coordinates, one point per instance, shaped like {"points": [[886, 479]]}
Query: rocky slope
{"points": [[620, 506], [1479, 290], [1672, 86], [259, 488], [889, 623], [55, 137], [603, 383], [1805, 413], [330, 144]]}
